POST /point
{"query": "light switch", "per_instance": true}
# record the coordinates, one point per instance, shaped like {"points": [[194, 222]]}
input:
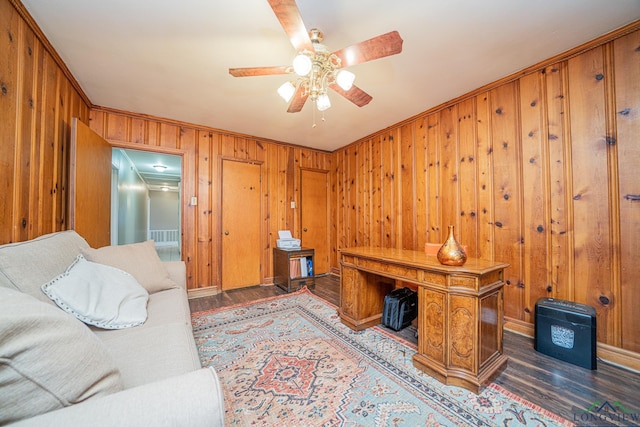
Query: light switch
{"points": [[194, 201], [293, 205]]}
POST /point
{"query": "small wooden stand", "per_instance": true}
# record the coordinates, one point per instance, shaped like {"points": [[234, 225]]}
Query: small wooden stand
{"points": [[287, 278]]}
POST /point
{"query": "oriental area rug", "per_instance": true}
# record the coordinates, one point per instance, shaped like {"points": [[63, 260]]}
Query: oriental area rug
{"points": [[289, 361]]}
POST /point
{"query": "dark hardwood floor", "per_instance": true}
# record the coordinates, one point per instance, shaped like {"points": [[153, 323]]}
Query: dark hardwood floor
{"points": [[562, 388]]}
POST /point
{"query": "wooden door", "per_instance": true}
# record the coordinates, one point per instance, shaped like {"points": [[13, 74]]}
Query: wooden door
{"points": [[315, 217], [241, 231], [90, 185]]}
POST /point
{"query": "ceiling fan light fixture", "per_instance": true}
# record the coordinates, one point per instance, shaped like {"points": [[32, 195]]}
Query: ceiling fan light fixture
{"points": [[345, 79], [302, 64], [286, 91], [323, 102]]}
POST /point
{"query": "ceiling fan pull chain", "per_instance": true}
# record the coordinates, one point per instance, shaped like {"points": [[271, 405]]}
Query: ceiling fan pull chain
{"points": [[314, 118]]}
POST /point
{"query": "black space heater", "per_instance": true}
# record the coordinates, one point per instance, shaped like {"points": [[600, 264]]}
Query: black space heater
{"points": [[566, 330]]}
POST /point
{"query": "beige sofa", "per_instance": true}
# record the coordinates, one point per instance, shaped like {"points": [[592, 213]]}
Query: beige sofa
{"points": [[57, 371]]}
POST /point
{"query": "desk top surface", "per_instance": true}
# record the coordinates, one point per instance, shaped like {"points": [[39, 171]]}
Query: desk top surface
{"points": [[420, 259]]}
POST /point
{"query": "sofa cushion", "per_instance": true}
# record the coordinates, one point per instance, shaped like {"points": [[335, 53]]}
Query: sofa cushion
{"points": [[49, 356], [99, 295], [26, 266], [164, 344], [138, 259]]}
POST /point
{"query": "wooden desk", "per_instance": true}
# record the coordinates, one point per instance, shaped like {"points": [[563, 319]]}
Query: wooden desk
{"points": [[460, 309]]}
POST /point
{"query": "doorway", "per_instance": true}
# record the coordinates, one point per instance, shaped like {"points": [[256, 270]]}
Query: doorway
{"points": [[146, 200], [241, 224], [314, 215]]}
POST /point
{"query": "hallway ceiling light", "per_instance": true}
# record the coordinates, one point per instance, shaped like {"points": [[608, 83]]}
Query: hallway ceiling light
{"points": [[160, 168]]}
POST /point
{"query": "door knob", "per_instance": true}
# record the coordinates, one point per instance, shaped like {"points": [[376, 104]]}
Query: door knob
{"points": [[226, 232], [304, 229]]}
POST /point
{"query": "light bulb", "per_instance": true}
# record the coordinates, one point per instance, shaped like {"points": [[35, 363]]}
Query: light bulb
{"points": [[323, 102], [286, 91], [345, 79], [302, 65]]}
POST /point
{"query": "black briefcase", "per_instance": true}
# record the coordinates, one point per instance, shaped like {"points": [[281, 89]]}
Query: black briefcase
{"points": [[400, 308]]}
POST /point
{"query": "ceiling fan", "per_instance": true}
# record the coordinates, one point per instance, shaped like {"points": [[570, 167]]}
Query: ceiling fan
{"points": [[315, 67]]}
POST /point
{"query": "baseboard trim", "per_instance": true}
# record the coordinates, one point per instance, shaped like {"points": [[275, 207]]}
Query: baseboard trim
{"points": [[202, 292], [622, 358]]}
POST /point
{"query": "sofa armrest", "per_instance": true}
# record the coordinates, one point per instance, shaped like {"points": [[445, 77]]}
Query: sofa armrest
{"points": [[177, 272], [193, 399]]}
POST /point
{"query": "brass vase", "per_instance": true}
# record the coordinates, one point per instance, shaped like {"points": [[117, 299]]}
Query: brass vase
{"points": [[452, 252]]}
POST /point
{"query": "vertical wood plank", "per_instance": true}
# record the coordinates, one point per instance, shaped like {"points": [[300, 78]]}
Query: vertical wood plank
{"points": [[35, 191], [362, 206], [352, 200], [215, 164], [169, 135], [117, 127], [535, 198], [62, 150], [190, 171], [407, 188], [204, 215], [152, 135], [9, 42], [627, 109], [138, 131], [486, 212], [376, 192], [449, 191], [47, 144], [388, 192], [421, 196], [467, 177], [507, 194], [434, 215], [339, 200], [333, 213], [558, 147], [24, 135], [590, 186]]}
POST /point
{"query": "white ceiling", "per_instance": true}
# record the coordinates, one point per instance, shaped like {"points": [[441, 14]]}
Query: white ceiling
{"points": [[171, 58], [144, 162]]}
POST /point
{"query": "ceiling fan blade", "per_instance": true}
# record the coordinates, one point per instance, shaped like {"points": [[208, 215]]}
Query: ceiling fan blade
{"points": [[288, 14], [298, 100], [260, 71], [355, 94], [368, 50]]}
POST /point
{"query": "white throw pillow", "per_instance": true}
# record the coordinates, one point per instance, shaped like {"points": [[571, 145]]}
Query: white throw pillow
{"points": [[48, 359], [99, 295]]}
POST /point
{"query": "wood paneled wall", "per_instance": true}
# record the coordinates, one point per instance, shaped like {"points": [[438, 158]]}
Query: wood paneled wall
{"points": [[202, 150], [38, 98], [540, 171]]}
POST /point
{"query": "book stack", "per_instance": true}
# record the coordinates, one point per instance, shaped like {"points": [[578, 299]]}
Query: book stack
{"points": [[301, 267]]}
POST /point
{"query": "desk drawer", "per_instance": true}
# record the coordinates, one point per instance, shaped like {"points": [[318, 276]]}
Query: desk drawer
{"points": [[434, 279], [393, 270]]}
